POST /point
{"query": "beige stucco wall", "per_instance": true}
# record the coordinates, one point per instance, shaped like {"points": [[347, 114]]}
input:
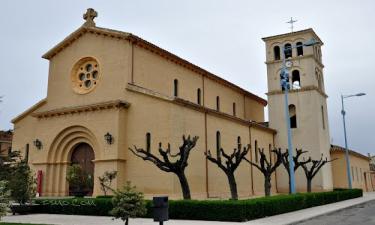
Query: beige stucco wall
{"points": [[152, 109], [359, 170]]}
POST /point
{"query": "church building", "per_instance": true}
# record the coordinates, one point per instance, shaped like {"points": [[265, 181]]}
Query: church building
{"points": [[109, 90]]}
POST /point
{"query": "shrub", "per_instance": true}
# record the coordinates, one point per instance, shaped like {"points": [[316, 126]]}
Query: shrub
{"points": [[105, 181], [22, 183], [219, 210], [128, 202], [4, 199], [79, 180]]}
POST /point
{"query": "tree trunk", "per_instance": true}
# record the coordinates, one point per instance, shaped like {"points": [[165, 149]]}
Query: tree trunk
{"points": [[309, 181], [267, 185], [232, 186], [127, 221], [184, 185]]}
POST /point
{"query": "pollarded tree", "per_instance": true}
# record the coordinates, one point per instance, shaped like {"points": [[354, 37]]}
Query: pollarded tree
{"points": [[230, 165], [165, 164], [296, 160], [311, 171], [267, 167]]}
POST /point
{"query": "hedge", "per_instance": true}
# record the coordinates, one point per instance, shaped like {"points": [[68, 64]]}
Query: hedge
{"points": [[219, 210]]}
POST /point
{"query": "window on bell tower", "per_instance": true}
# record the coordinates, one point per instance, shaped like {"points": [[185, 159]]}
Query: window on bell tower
{"points": [[296, 80], [299, 48], [276, 52], [293, 116], [288, 50]]}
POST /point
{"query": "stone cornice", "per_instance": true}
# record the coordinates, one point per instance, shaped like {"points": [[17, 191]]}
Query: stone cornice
{"points": [[68, 162], [309, 30], [296, 58], [83, 108], [303, 89], [150, 47], [194, 106]]}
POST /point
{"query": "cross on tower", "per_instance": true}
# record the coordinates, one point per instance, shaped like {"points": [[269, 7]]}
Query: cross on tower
{"points": [[89, 17], [291, 21]]}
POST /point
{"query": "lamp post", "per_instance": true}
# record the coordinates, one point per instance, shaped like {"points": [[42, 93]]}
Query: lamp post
{"points": [[345, 137], [284, 81]]}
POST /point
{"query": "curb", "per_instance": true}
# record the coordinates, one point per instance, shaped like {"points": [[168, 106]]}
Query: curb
{"points": [[331, 212]]}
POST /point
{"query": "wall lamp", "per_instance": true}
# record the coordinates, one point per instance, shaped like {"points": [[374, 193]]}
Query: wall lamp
{"points": [[109, 138], [38, 143]]}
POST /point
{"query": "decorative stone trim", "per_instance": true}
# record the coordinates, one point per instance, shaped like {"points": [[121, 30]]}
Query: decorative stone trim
{"points": [[296, 58], [80, 109], [303, 89], [194, 106]]}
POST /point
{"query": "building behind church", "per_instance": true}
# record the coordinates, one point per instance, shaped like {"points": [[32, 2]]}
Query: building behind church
{"points": [[109, 90]]}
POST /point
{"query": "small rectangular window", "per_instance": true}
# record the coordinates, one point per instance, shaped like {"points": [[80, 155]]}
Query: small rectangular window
{"points": [[234, 109], [256, 151], [323, 122], [217, 103]]}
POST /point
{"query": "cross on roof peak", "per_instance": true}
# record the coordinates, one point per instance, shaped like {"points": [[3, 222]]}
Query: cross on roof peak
{"points": [[89, 17], [291, 22]]}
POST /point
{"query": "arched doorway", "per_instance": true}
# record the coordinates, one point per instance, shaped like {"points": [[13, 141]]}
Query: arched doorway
{"points": [[83, 155]]}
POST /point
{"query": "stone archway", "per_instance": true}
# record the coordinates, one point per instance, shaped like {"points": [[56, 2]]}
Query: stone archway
{"points": [[60, 155], [83, 155]]}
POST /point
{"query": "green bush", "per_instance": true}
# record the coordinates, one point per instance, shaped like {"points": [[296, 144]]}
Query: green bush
{"points": [[219, 210]]}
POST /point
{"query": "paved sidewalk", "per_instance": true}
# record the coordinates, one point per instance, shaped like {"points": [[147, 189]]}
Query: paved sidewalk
{"points": [[287, 218]]}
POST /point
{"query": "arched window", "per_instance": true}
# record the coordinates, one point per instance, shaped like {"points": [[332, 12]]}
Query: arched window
{"points": [[175, 92], [218, 143], [234, 109], [27, 153], [288, 50], [299, 48], [276, 52], [199, 96], [217, 103], [293, 116], [296, 80], [323, 121], [256, 150], [270, 152], [148, 142]]}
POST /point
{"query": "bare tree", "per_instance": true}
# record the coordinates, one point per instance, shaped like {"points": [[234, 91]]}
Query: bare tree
{"points": [[296, 160], [230, 165], [267, 168], [314, 169], [165, 164]]}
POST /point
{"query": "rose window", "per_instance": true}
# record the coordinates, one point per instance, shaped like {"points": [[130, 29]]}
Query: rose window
{"points": [[85, 75]]}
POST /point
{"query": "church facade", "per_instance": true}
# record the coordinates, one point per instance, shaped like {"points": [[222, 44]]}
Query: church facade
{"points": [[110, 90]]}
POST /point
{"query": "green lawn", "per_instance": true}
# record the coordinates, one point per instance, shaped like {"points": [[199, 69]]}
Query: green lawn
{"points": [[5, 223]]}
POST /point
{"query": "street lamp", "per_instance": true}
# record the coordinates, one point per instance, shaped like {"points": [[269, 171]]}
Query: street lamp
{"points": [[284, 81], [346, 141]]}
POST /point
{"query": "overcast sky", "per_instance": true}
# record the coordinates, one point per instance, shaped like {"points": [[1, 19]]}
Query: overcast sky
{"points": [[222, 36]]}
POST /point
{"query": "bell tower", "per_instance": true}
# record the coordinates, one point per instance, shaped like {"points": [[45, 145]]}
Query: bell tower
{"points": [[307, 103]]}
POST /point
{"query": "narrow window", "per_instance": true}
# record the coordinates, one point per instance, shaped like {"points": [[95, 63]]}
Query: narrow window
{"points": [[288, 50], [293, 116], [276, 52], [218, 142], [175, 92], [356, 173], [299, 48], [148, 142], [296, 80], [238, 140], [270, 152], [323, 122], [217, 103], [199, 96], [234, 109], [256, 151], [352, 173], [27, 153]]}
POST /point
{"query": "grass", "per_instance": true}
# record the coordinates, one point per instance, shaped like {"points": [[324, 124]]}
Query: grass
{"points": [[5, 223]]}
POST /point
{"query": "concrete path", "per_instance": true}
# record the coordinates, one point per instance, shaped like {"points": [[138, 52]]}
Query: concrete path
{"points": [[287, 218]]}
